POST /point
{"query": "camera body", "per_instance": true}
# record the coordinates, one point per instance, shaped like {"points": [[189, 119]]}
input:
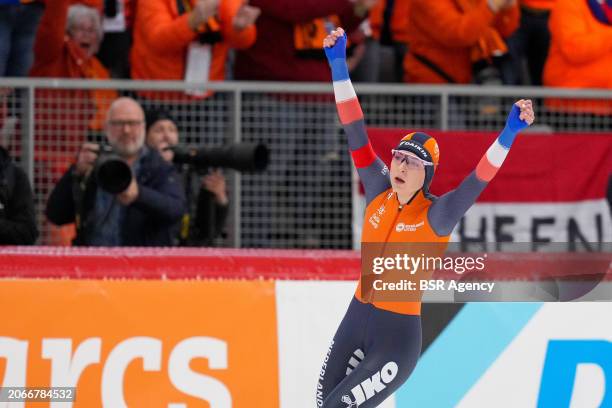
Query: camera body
{"points": [[111, 172]]}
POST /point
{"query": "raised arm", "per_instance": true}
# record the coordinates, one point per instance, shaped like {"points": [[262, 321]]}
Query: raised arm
{"points": [[373, 172], [49, 41], [447, 210]]}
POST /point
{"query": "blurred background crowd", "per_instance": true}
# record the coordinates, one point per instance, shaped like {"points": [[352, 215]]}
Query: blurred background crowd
{"points": [[514, 42]]}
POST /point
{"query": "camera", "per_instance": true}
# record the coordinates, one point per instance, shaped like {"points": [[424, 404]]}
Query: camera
{"points": [[237, 156], [205, 228], [112, 173]]}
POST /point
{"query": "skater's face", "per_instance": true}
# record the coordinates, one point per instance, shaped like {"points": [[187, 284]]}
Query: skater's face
{"points": [[407, 172]]}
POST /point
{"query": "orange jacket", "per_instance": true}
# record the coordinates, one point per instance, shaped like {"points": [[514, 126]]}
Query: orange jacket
{"points": [[399, 19], [538, 4], [162, 37], [441, 32], [57, 56], [580, 55]]}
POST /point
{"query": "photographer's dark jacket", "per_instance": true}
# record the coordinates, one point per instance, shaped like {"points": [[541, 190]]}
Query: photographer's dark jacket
{"points": [[17, 218], [209, 222], [207, 218], [149, 221]]}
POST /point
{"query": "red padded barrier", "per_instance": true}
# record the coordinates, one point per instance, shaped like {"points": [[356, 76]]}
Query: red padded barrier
{"points": [[227, 263], [177, 263]]}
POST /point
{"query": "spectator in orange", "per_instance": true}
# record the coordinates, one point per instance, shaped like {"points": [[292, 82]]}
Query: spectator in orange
{"points": [[189, 39], [531, 41], [580, 54], [67, 40], [446, 37]]}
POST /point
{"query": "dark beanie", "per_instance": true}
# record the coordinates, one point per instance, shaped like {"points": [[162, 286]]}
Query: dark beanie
{"points": [[155, 115]]}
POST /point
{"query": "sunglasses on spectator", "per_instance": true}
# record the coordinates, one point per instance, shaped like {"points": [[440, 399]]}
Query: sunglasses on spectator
{"points": [[412, 162]]}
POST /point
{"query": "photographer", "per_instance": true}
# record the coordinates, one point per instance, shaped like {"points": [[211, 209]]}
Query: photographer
{"points": [[212, 204], [17, 219], [145, 210]]}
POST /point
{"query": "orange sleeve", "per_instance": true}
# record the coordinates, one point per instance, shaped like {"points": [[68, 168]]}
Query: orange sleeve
{"points": [[161, 30], [507, 21], [400, 20], [570, 32], [376, 18], [441, 21], [235, 39], [539, 4], [49, 41]]}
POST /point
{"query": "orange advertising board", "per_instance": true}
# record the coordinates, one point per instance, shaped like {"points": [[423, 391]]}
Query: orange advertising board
{"points": [[142, 343]]}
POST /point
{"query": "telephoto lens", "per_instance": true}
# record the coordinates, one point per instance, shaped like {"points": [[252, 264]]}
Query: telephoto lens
{"points": [[112, 173], [238, 156]]}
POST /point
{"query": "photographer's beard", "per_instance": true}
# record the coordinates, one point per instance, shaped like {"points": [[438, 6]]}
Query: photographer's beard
{"points": [[127, 147]]}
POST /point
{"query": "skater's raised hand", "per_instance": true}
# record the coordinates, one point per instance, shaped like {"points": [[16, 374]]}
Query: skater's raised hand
{"points": [[335, 45], [521, 115]]}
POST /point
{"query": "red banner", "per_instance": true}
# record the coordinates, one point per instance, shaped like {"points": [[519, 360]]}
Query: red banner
{"points": [[539, 167]]}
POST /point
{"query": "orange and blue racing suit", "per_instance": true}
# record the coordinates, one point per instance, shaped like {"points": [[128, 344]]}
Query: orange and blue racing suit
{"points": [[377, 344]]}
